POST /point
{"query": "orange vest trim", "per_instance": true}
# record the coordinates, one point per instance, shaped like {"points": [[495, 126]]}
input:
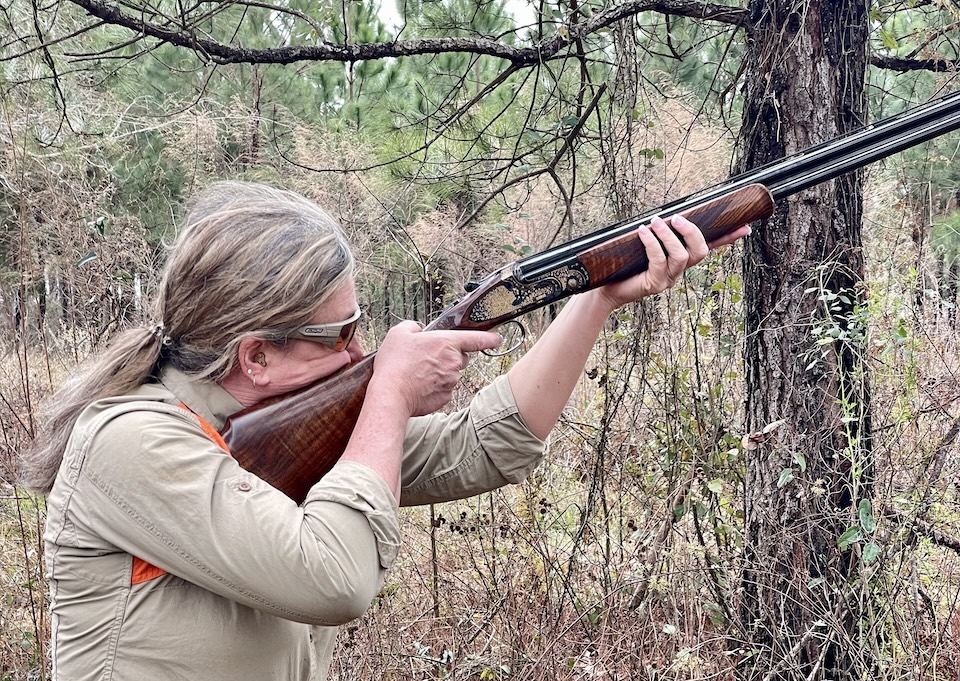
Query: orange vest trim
{"points": [[208, 429], [142, 570]]}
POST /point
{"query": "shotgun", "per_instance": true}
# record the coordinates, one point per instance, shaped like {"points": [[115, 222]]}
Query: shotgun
{"points": [[293, 440]]}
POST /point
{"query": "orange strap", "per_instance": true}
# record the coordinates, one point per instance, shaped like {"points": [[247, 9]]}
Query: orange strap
{"points": [[210, 431], [142, 570]]}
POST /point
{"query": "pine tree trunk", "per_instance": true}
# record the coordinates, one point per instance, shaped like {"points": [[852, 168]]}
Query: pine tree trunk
{"points": [[800, 608]]}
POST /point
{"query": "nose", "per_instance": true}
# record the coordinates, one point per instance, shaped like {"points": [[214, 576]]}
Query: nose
{"points": [[355, 350]]}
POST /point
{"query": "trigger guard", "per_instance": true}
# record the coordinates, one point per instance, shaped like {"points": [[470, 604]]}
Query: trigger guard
{"points": [[522, 336]]}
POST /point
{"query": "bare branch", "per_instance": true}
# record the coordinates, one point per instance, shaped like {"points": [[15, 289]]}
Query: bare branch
{"points": [[549, 48], [926, 529], [51, 43], [549, 168], [178, 32]]}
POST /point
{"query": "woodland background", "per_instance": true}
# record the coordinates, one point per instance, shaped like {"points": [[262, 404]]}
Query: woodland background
{"points": [[691, 521]]}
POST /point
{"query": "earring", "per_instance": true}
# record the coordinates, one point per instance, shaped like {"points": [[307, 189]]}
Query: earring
{"points": [[252, 377]]}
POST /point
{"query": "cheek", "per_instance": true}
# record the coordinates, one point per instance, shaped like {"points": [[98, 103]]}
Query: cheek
{"points": [[329, 365], [296, 372]]}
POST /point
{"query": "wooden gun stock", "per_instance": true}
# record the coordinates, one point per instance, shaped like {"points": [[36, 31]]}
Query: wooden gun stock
{"points": [[624, 256], [293, 440]]}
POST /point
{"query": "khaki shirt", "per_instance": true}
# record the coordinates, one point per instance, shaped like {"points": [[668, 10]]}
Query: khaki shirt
{"points": [[240, 581]]}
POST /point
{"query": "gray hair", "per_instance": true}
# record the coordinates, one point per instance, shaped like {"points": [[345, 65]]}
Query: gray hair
{"points": [[251, 260]]}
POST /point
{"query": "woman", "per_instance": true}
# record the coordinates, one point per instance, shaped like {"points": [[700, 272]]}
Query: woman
{"points": [[168, 561]]}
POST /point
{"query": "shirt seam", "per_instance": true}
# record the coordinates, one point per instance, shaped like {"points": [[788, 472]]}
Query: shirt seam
{"points": [[474, 454], [490, 419], [498, 415], [113, 643]]}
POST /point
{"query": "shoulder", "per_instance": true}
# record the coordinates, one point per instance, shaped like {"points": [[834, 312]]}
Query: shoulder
{"points": [[115, 432], [128, 438], [127, 415]]}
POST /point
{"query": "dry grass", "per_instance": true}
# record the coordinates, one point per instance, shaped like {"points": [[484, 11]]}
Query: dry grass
{"points": [[23, 618], [618, 557]]}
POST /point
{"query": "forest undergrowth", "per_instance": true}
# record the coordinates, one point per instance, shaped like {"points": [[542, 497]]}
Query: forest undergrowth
{"points": [[617, 558]]}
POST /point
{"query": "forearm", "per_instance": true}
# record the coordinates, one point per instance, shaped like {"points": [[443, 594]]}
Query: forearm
{"points": [[377, 439], [415, 373], [543, 379]]}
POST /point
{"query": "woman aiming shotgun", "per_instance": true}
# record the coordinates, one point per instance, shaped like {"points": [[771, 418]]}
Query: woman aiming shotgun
{"points": [[166, 559]]}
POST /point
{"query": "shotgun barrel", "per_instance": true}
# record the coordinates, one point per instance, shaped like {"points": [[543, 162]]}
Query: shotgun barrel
{"points": [[789, 175]]}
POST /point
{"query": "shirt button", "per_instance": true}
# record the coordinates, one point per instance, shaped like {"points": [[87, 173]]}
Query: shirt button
{"points": [[244, 486]]}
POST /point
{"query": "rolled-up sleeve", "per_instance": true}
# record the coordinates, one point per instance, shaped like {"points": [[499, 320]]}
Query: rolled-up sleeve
{"points": [[474, 450], [355, 486]]}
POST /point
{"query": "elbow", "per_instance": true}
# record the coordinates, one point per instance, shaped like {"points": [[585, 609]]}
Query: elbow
{"points": [[354, 603], [345, 554], [346, 595]]}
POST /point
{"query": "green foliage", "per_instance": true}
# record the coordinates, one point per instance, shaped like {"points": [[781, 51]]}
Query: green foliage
{"points": [[945, 238], [915, 31], [460, 18], [92, 185], [701, 58]]}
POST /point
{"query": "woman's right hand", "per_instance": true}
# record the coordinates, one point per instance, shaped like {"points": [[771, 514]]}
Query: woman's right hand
{"points": [[419, 370]]}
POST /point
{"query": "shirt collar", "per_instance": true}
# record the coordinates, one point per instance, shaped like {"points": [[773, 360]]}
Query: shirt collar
{"points": [[204, 398]]}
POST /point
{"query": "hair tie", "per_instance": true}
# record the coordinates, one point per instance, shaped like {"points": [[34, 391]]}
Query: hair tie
{"points": [[158, 331]]}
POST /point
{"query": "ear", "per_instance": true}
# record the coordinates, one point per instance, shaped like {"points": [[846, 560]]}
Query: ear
{"points": [[253, 357]]}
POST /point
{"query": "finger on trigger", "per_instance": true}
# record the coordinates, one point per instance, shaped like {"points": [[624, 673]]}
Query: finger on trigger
{"points": [[474, 341]]}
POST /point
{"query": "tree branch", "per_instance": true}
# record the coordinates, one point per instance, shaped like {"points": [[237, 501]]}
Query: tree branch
{"points": [[939, 64], [549, 168], [926, 529], [181, 35]]}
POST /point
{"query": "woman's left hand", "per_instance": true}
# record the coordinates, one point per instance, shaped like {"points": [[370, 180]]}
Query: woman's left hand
{"points": [[543, 379], [668, 257]]}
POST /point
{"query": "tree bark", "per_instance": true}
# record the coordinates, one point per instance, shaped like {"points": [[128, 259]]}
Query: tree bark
{"points": [[804, 358]]}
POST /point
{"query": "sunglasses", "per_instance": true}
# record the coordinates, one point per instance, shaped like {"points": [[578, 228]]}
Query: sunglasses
{"points": [[336, 335]]}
